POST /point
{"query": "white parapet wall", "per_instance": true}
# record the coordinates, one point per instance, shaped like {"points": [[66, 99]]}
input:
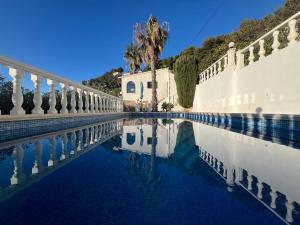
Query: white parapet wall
{"points": [[267, 85]]}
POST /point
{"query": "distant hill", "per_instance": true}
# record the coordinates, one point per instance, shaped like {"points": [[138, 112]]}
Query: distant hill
{"points": [[109, 82]]}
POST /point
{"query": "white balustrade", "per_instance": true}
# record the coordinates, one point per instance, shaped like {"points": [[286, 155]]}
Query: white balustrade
{"points": [[37, 98], [228, 60], [64, 101], [17, 95], [87, 102], [73, 100], [96, 101]]}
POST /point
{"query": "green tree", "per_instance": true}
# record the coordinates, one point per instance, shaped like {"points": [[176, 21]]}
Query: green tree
{"points": [[152, 38], [186, 73], [134, 59], [109, 82]]}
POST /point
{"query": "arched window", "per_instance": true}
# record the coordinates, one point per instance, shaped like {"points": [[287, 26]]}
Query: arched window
{"points": [[130, 138], [130, 87]]}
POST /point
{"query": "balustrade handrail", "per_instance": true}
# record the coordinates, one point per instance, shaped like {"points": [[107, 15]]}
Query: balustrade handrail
{"points": [[215, 62], [284, 23], [27, 68]]}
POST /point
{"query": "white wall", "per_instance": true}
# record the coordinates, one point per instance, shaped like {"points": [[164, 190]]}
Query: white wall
{"points": [[270, 85]]}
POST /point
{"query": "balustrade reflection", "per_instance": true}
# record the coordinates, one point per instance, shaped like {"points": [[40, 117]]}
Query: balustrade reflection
{"points": [[47, 157]]}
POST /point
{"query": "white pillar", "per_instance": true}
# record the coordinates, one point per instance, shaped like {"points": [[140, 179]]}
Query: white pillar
{"points": [[17, 95], [52, 97], [80, 103], [100, 104], [73, 100], [80, 140], [63, 98], [276, 42], [92, 102], [87, 102], [64, 143], [18, 155], [262, 50], [37, 98], [292, 37], [289, 210], [96, 103], [52, 159], [37, 168]]}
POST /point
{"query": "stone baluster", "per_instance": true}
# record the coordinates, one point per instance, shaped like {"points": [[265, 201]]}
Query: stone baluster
{"points": [[251, 55], [80, 140], [215, 69], [259, 189], [64, 153], [276, 42], [52, 97], [17, 95], [63, 98], [220, 66], [87, 102], [207, 74], [18, 175], [100, 104], [92, 136], [37, 168], [274, 196], [292, 37], [96, 134], [80, 102], [289, 210], [218, 166], [73, 141], [211, 72], [52, 159], [73, 100], [224, 171], [249, 179], [105, 104], [231, 55], [225, 62], [240, 60], [92, 102], [37, 98], [87, 137], [262, 51], [96, 103]]}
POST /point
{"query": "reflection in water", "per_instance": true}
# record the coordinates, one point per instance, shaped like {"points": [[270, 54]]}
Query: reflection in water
{"points": [[264, 170], [69, 144]]}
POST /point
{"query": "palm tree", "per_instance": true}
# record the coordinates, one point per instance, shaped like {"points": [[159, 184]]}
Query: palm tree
{"points": [[152, 39], [133, 57]]}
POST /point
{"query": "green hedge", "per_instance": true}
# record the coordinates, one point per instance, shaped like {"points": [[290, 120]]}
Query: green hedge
{"points": [[186, 72]]}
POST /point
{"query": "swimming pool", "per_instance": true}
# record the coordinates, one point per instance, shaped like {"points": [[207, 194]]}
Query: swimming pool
{"points": [[149, 171]]}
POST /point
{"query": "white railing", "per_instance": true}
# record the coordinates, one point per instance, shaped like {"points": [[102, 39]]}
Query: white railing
{"points": [[236, 60], [214, 69], [95, 101]]}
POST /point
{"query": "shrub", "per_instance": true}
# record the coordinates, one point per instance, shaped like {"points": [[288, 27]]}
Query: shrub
{"points": [[167, 106], [186, 72]]}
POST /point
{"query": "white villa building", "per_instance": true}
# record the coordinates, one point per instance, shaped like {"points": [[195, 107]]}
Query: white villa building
{"points": [[137, 90]]}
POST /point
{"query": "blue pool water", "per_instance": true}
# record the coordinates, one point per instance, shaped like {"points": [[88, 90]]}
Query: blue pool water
{"points": [[148, 171]]}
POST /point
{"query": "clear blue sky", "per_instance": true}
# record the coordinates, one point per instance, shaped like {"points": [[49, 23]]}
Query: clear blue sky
{"points": [[80, 39]]}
